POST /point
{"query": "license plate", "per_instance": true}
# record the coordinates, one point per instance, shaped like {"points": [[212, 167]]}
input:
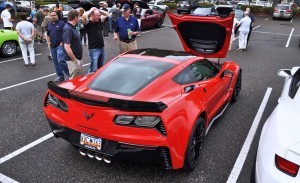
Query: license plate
{"points": [[90, 141]]}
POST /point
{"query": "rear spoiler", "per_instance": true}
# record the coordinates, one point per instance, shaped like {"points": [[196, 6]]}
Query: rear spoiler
{"points": [[125, 105]]}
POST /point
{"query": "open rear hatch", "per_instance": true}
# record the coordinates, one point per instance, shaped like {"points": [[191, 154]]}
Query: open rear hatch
{"points": [[205, 36]]}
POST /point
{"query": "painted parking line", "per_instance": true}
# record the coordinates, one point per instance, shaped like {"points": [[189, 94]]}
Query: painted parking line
{"points": [[30, 81], [239, 163], [267, 18], [292, 20], [25, 148], [5, 179], [2, 62], [289, 39]]}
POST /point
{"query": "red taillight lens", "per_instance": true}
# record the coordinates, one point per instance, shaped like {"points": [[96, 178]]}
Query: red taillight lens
{"points": [[275, 10], [286, 166], [288, 11]]}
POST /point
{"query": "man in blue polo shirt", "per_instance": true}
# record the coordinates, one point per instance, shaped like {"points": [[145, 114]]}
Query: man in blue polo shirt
{"points": [[54, 37], [126, 29]]}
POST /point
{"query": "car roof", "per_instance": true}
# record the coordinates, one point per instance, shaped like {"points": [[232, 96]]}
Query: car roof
{"points": [[179, 56]]}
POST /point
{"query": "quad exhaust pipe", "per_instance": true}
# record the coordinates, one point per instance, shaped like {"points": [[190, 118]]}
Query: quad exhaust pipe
{"points": [[97, 156]]}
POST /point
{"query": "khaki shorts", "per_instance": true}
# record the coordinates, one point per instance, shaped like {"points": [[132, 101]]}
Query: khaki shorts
{"points": [[75, 70], [124, 47]]}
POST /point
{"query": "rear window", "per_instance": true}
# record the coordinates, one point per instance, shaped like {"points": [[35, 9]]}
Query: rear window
{"points": [[127, 76], [183, 2], [282, 7]]}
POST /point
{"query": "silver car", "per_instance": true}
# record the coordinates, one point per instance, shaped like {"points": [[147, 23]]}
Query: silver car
{"points": [[283, 11]]}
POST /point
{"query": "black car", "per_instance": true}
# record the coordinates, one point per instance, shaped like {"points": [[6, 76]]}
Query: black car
{"points": [[184, 6]]}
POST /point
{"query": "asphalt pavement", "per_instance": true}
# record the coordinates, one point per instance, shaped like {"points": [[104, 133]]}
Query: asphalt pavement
{"points": [[22, 120]]}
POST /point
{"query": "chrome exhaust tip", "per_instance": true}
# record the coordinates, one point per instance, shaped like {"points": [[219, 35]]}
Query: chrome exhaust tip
{"points": [[90, 154], [98, 157], [106, 159], [82, 151]]}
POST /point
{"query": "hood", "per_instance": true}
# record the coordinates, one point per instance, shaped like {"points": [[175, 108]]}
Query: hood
{"points": [[205, 36]]}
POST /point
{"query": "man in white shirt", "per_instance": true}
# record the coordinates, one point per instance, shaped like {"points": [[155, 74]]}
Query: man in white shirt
{"points": [[6, 18], [244, 30]]}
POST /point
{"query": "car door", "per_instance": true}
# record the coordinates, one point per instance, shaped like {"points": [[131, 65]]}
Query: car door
{"points": [[210, 86], [150, 18]]}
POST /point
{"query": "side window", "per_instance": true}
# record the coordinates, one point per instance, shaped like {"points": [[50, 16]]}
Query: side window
{"points": [[295, 84], [159, 3], [197, 71], [203, 69], [149, 12]]}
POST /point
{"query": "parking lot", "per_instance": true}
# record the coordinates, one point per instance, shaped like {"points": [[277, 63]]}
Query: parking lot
{"points": [[30, 153]]}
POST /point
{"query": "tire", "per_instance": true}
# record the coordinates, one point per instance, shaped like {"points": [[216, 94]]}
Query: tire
{"points": [[237, 87], [159, 24], [252, 178], [178, 12], [195, 143], [8, 49]]}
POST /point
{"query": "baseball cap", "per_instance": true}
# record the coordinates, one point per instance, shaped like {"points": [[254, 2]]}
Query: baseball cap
{"points": [[125, 7]]}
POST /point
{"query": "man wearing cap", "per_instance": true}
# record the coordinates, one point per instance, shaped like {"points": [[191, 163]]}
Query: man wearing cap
{"points": [[93, 26], [126, 29]]}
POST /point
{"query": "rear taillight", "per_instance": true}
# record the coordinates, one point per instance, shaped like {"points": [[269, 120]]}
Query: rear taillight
{"points": [[275, 10], [286, 166], [288, 11]]}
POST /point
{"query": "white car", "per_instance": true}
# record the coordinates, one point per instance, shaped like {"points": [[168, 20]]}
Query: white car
{"points": [[65, 11], [159, 4], [23, 6], [278, 154]]}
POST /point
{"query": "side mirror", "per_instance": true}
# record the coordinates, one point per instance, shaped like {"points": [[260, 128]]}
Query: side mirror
{"points": [[284, 73], [226, 74]]}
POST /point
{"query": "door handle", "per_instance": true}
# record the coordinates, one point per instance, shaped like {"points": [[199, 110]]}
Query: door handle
{"points": [[189, 88]]}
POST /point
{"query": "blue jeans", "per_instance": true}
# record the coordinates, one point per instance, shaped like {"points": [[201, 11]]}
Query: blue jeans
{"points": [[97, 56], [57, 56]]}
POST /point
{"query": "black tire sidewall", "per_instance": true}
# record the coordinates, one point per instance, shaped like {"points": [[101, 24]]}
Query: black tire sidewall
{"points": [[7, 55], [188, 162]]}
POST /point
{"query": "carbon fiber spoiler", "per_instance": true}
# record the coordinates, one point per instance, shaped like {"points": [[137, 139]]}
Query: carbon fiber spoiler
{"points": [[125, 105]]}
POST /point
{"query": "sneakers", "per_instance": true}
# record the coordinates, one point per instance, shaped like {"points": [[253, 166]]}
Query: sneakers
{"points": [[58, 80]]}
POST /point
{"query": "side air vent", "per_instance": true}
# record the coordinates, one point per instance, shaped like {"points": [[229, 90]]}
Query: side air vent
{"points": [[166, 157]]}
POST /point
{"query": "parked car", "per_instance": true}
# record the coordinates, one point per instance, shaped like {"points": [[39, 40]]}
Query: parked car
{"points": [[85, 4], [150, 18], [65, 11], [283, 11], [3, 3], [8, 42], [278, 154], [151, 105], [23, 6], [203, 11], [184, 6], [159, 4]]}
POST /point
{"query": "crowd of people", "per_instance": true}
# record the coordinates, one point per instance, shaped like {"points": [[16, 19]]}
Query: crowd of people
{"points": [[64, 39]]}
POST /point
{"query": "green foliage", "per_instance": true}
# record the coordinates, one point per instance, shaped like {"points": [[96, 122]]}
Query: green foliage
{"points": [[172, 6]]}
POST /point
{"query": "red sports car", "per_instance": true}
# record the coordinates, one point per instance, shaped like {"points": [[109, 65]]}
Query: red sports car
{"points": [[148, 104]]}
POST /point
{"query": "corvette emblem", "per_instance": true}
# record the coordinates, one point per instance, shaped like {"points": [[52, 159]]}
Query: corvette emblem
{"points": [[87, 116]]}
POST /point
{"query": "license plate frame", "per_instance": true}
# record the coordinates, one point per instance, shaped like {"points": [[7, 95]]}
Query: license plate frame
{"points": [[90, 142]]}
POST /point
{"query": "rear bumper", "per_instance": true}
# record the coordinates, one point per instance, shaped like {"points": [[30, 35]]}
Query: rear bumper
{"points": [[279, 15], [117, 150]]}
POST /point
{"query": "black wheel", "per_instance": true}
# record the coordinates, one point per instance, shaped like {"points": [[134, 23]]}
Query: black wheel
{"points": [[159, 24], [8, 49], [193, 150], [273, 18], [237, 87], [252, 178], [178, 12]]}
